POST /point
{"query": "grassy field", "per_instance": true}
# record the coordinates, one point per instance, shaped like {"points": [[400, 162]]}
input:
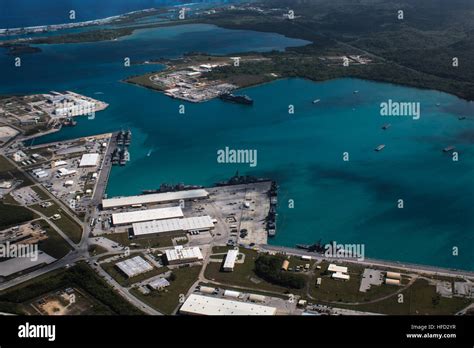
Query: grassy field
{"points": [[55, 245], [95, 250], [333, 290], [40, 192], [419, 299], [115, 273], [9, 172], [14, 215], [66, 224], [152, 242], [243, 274], [167, 300]]}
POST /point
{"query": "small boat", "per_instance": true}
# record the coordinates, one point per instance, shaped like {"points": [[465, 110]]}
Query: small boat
{"points": [[438, 104], [355, 92], [316, 101], [386, 126], [461, 117], [380, 147], [449, 148], [148, 154]]}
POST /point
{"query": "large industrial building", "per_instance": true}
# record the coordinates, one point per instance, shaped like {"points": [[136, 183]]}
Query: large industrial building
{"points": [[89, 160], [134, 266], [170, 226], [131, 217], [183, 255], [154, 198], [205, 305]]}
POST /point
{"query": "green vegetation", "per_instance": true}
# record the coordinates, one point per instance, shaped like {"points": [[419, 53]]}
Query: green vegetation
{"points": [[420, 299], [9, 172], [244, 274], [268, 267], [96, 249], [334, 290], [152, 242], [416, 51], [80, 276], [14, 215], [40, 192], [167, 300], [66, 223], [55, 245]]}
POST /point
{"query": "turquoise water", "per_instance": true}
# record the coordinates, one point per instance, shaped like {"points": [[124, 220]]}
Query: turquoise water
{"points": [[350, 202]]}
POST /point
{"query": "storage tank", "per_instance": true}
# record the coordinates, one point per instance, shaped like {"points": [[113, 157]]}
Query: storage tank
{"points": [[256, 298], [392, 281], [285, 265], [394, 275], [207, 290], [231, 293]]}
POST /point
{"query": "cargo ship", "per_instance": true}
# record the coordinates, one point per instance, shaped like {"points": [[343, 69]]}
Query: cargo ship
{"points": [[240, 99]]}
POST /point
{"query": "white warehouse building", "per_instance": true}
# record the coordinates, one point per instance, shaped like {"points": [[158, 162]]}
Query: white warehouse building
{"points": [[146, 215], [164, 197], [205, 305], [169, 226], [183, 255], [230, 259]]}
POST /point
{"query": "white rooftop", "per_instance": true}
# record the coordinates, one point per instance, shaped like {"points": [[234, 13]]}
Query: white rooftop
{"points": [[183, 254], [89, 160], [230, 259], [18, 264], [153, 198], [146, 215], [205, 305], [173, 225], [334, 268], [134, 266]]}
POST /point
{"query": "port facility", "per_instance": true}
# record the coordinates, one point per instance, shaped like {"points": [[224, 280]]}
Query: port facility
{"points": [[166, 226], [146, 215], [205, 305], [164, 197]]}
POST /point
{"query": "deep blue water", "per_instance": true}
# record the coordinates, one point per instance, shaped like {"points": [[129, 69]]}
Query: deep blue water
{"points": [[350, 202], [22, 13]]}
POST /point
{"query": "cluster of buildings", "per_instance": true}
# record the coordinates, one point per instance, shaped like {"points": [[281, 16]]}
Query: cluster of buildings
{"points": [[146, 222], [188, 84], [338, 272]]}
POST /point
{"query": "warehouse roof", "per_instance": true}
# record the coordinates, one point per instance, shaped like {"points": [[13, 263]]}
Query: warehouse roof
{"points": [[153, 198], [334, 268], [180, 253], [134, 266], [89, 160], [230, 259], [146, 215], [205, 305], [172, 225]]}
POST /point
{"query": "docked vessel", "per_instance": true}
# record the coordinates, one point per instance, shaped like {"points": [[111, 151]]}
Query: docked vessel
{"points": [[240, 99], [316, 247], [380, 147], [127, 137], [316, 101]]}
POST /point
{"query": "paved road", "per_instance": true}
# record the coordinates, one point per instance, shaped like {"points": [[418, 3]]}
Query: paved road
{"points": [[433, 270]]}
